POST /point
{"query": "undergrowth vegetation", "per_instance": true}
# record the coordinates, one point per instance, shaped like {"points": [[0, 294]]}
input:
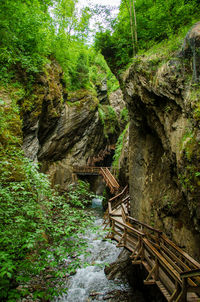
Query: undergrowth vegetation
{"points": [[39, 228], [108, 119], [119, 147]]}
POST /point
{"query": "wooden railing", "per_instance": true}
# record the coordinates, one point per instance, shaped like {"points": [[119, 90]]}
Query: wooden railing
{"points": [[117, 200], [176, 273], [109, 179], [86, 169]]}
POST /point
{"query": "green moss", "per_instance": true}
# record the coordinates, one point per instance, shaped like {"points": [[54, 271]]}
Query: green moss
{"points": [[10, 136], [190, 174], [78, 95], [188, 143], [194, 99], [124, 116], [79, 99], [119, 147], [108, 119]]}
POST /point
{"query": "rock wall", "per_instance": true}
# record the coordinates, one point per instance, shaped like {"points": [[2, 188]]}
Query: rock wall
{"points": [[61, 130], [164, 150]]}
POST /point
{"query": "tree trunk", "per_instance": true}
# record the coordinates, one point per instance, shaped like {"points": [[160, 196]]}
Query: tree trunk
{"points": [[135, 28], [131, 24]]}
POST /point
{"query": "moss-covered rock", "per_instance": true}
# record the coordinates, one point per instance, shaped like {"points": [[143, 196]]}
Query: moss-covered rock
{"points": [[164, 147]]}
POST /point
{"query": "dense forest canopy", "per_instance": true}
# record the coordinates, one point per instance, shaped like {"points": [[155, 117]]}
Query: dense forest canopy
{"points": [[34, 32], [154, 22]]}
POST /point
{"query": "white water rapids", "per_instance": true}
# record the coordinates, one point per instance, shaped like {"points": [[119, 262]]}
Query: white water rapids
{"points": [[90, 283]]}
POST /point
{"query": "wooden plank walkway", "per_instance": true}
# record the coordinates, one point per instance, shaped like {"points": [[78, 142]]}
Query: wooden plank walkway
{"points": [[109, 179], [176, 274]]}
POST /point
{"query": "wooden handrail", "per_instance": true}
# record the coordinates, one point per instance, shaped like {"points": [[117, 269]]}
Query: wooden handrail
{"points": [[145, 225], [123, 214], [162, 258], [104, 171], [107, 175], [182, 253], [190, 273], [112, 178], [118, 195], [127, 227]]}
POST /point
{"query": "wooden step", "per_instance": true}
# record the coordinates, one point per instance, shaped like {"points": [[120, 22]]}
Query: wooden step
{"points": [[163, 290], [137, 262], [149, 282], [192, 297]]}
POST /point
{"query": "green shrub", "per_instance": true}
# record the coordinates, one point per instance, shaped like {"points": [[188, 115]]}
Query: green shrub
{"points": [[79, 194], [36, 231], [108, 119]]}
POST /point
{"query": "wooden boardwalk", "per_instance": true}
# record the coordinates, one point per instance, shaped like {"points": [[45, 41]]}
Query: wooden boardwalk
{"points": [[109, 179], [176, 274]]}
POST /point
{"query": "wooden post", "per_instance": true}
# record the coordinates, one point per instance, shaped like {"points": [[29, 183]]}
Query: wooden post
{"points": [[142, 247], [113, 228], [125, 235], [157, 269], [184, 290]]}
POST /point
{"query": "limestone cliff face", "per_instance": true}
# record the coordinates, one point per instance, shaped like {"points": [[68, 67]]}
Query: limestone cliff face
{"points": [[164, 144], [42, 109], [78, 137], [62, 129], [116, 101]]}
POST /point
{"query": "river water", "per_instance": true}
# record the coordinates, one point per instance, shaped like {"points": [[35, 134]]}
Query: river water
{"points": [[90, 283]]}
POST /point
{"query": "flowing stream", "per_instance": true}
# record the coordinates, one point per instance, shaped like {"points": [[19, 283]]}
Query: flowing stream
{"points": [[90, 283]]}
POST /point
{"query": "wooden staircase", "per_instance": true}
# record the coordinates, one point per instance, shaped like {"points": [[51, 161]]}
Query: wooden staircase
{"points": [[176, 274], [109, 179]]}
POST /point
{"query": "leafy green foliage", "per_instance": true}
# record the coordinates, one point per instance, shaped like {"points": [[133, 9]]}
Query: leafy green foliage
{"points": [[124, 116], [31, 34], [79, 194], [109, 120], [156, 21], [36, 227], [25, 32], [119, 147]]}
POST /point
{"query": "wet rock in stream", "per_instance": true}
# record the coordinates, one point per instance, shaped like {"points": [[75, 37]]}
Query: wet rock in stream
{"points": [[117, 296]]}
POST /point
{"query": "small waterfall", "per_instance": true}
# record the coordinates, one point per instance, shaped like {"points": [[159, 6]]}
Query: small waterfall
{"points": [[90, 283], [97, 204]]}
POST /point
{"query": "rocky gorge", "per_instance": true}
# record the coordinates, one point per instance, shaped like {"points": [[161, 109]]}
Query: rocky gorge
{"points": [[162, 96], [160, 154], [99, 143], [63, 129]]}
